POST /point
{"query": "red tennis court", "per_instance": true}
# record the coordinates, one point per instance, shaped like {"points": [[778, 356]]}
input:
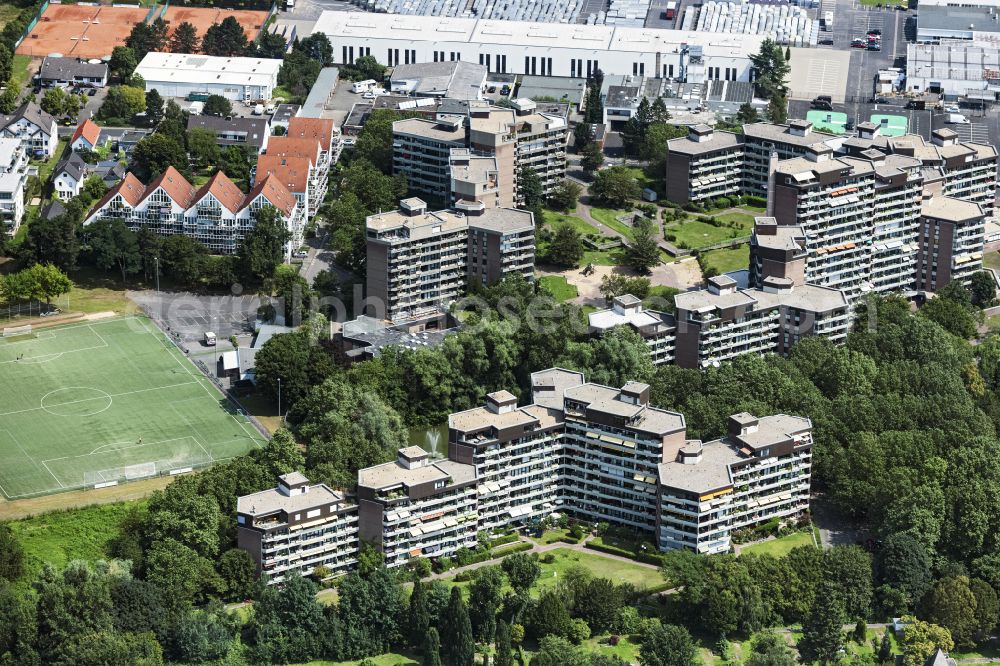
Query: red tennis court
{"points": [[81, 31], [202, 19]]}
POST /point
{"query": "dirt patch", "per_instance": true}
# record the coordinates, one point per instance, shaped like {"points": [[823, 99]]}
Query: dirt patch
{"points": [[32, 506]]}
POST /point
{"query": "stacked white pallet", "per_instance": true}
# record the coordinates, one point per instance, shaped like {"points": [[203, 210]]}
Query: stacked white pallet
{"points": [[785, 24]]}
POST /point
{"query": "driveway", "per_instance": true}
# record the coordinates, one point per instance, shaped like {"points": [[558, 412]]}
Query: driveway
{"points": [[322, 259]]}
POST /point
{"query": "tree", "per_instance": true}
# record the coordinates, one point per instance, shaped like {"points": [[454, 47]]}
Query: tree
{"points": [[52, 240], [147, 37], [777, 109], [951, 604], [982, 288], [375, 140], [234, 163], [54, 101], [566, 247], [18, 626], [107, 647], [317, 46], [184, 39], [71, 603], [225, 39], [287, 622], [582, 136], [769, 649], [264, 246], [202, 636], [522, 571], [593, 158], [112, 245], [365, 67], [459, 649], [298, 73], [548, 616], [565, 196], [49, 281], [904, 562], [239, 572], [202, 147], [370, 606], [644, 250], [8, 99], [123, 62], [885, 649], [419, 614], [851, 568], [11, 555], [217, 105], [747, 114], [154, 107], [619, 284], [269, 45], [6, 62], [615, 187], [431, 649], [921, 639], [822, 630], [347, 427], [772, 70], [578, 631], [153, 154], [485, 595], [530, 190], [503, 651], [122, 103], [667, 645]]}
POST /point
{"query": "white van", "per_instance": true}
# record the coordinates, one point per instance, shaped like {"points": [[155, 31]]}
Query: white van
{"points": [[209, 339], [270, 109], [363, 86], [258, 110], [956, 119]]}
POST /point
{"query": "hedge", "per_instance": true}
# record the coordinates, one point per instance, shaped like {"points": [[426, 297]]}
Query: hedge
{"points": [[505, 539], [643, 556]]}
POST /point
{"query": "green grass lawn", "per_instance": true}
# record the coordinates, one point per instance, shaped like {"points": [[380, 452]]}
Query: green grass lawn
{"points": [[557, 285], [95, 292], [609, 218], [696, 233], [613, 257], [729, 259], [554, 219], [62, 536], [626, 650], [991, 259], [388, 659], [19, 70], [642, 577], [45, 168], [780, 547], [551, 536], [109, 400]]}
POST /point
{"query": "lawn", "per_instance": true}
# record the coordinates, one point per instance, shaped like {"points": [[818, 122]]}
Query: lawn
{"points": [[62, 536], [45, 168], [95, 292], [104, 402], [19, 70], [554, 219], [613, 257], [551, 536], [730, 259], [779, 547], [557, 285], [626, 650], [696, 233], [609, 218], [642, 577], [991, 259], [388, 659]]}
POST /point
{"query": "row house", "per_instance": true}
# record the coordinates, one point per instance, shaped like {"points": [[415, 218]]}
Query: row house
{"points": [[218, 214], [301, 161]]}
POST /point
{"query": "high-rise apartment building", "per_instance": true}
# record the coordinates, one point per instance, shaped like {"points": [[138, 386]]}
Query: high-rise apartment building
{"points": [[298, 526], [704, 165], [417, 507], [764, 141], [658, 329], [951, 238], [478, 179], [516, 137], [599, 453], [759, 471], [419, 261]]}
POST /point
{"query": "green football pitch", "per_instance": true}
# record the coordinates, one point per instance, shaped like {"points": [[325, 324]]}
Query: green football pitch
{"points": [[106, 401]]}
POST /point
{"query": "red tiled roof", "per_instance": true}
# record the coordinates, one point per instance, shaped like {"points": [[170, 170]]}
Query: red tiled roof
{"points": [[293, 172], [175, 185], [131, 189], [224, 190], [289, 147], [275, 193], [89, 130], [320, 129]]}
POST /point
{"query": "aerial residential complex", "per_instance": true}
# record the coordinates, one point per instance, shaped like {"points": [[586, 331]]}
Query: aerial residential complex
{"points": [[420, 261], [218, 214], [865, 207], [599, 453], [13, 178], [516, 138]]}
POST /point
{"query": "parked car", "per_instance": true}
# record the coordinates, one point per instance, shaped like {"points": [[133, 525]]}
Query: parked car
{"points": [[874, 46], [952, 108], [299, 254], [857, 43], [91, 92], [875, 32], [348, 141], [491, 89], [505, 90]]}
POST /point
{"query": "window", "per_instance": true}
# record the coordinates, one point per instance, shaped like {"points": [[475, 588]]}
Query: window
{"points": [[438, 485]]}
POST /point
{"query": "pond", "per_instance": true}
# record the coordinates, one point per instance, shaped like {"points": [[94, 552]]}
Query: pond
{"points": [[433, 439]]}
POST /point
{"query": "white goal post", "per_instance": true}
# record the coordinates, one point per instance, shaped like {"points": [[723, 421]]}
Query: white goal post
{"points": [[14, 331]]}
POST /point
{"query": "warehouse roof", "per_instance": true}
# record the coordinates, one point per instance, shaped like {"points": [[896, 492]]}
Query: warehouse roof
{"points": [[203, 69], [409, 29], [452, 79]]}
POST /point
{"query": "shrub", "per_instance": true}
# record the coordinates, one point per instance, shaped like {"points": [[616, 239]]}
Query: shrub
{"points": [[548, 558]]}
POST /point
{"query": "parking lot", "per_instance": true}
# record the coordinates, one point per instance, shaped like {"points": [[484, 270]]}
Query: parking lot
{"points": [[187, 316]]}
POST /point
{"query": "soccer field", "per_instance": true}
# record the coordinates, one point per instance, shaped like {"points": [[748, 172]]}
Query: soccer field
{"points": [[104, 401]]}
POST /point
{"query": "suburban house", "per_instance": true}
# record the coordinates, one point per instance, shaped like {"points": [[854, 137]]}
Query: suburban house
{"points": [[244, 132], [71, 172], [87, 136], [58, 72], [36, 130]]}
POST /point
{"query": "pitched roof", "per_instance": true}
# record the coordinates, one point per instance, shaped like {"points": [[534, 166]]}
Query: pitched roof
{"points": [[64, 69], [33, 114], [291, 147], [224, 190], [175, 185], [293, 172], [74, 165], [89, 130], [275, 193], [320, 129], [131, 189]]}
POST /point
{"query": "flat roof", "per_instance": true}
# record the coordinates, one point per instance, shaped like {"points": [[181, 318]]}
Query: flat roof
{"points": [[774, 429], [720, 140], [453, 79], [607, 400], [392, 474], [269, 501], [431, 129], [951, 209], [549, 386], [502, 220], [964, 19], [409, 29], [610, 318], [711, 473], [204, 69], [479, 418]]}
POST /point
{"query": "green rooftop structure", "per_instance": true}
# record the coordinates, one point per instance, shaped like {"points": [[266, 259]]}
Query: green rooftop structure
{"points": [[891, 125], [828, 121]]}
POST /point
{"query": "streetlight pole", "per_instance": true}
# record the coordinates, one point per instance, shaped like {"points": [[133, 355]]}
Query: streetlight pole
{"points": [[157, 258], [279, 401]]}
